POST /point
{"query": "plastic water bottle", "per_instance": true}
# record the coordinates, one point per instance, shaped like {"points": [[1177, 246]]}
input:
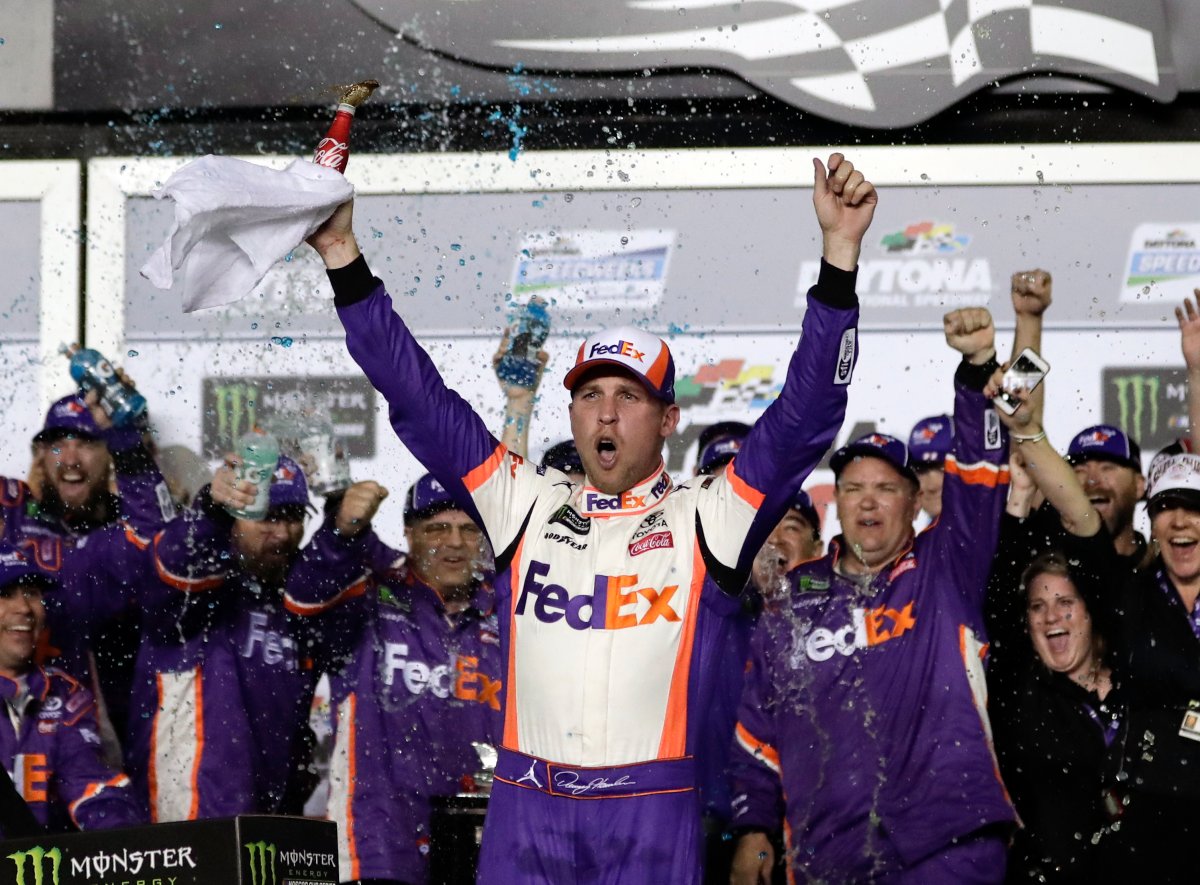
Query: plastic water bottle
{"points": [[124, 406], [529, 330], [260, 454]]}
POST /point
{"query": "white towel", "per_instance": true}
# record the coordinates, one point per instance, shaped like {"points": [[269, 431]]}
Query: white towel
{"points": [[233, 220]]}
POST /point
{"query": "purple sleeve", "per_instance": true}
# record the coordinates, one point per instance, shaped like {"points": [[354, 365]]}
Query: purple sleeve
{"points": [[754, 768], [145, 502], [966, 535], [96, 797], [436, 424], [795, 431], [190, 555], [332, 569]]}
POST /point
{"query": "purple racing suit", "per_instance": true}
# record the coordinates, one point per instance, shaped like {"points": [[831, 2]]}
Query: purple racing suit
{"points": [[55, 759], [863, 722], [614, 610], [98, 567], [224, 679], [416, 686]]}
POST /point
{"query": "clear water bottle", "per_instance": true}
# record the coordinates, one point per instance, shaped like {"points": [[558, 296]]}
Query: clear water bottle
{"points": [[526, 334], [260, 454], [124, 406]]}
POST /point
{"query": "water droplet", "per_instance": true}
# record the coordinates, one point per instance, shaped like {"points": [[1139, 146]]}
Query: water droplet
{"points": [[132, 353], [217, 26], [254, 325], [456, 247], [568, 198], [282, 341]]}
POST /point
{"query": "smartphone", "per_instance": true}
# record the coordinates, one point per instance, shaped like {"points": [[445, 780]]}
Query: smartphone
{"points": [[1025, 373]]}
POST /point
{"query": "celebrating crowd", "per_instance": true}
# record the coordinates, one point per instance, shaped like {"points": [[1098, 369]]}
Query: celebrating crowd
{"points": [[989, 675]]}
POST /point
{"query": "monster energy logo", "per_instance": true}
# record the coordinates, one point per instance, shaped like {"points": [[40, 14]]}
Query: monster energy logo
{"points": [[236, 408], [1137, 401], [262, 863], [39, 861]]}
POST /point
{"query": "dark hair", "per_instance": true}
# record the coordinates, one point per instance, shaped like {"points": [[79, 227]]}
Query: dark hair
{"points": [[1054, 562]]}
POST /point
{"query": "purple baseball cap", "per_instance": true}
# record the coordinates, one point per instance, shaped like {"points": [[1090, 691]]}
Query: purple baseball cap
{"points": [[16, 569], [68, 416], [931, 440], [288, 485], [563, 456], [803, 505], [426, 497], [874, 445], [646, 356], [719, 444], [1103, 442]]}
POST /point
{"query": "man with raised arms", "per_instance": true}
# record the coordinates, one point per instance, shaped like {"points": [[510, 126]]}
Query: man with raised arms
{"points": [[615, 595]]}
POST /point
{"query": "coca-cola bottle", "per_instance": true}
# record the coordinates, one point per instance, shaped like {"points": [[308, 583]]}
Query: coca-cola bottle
{"points": [[334, 149]]}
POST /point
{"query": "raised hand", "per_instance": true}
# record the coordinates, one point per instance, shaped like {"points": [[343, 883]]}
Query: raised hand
{"points": [[334, 239], [970, 331], [845, 204], [1031, 292], [1189, 331], [358, 507]]}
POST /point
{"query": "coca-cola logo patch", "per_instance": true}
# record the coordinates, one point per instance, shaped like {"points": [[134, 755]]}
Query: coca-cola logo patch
{"points": [[657, 541]]}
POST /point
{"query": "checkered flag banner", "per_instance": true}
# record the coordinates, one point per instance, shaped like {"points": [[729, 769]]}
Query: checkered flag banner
{"points": [[878, 63]]}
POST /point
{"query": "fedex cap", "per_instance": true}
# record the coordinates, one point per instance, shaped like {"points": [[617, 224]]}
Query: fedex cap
{"points": [[931, 440], [16, 569], [874, 445], [646, 356], [1103, 442], [68, 416], [719, 444], [1175, 483], [289, 488], [425, 498]]}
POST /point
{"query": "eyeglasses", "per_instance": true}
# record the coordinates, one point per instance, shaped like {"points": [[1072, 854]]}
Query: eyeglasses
{"points": [[435, 530]]}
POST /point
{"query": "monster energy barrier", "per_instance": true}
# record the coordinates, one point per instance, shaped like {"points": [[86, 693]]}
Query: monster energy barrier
{"points": [[262, 863], [40, 860]]}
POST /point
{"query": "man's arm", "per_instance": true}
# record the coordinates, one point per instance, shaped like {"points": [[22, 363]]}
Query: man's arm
{"points": [[787, 442], [518, 404], [96, 797], [976, 484], [1032, 293], [145, 501], [1049, 470], [490, 484], [337, 563]]}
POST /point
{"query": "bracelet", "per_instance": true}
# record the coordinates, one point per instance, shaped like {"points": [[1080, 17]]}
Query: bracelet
{"points": [[1032, 438]]}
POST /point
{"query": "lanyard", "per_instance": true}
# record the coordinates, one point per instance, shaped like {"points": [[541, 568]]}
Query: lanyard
{"points": [[1109, 729]]}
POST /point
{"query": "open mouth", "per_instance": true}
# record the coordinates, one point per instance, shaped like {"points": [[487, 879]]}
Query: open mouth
{"points": [[1058, 641], [606, 449], [1183, 545]]}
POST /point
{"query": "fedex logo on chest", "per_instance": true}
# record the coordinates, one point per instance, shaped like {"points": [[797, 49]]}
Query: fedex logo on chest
{"points": [[868, 627], [617, 602]]}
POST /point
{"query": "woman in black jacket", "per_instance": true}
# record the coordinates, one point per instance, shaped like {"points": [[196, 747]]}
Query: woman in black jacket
{"points": [[1054, 711]]}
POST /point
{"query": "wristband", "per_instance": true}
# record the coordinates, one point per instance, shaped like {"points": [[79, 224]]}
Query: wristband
{"points": [[1031, 438]]}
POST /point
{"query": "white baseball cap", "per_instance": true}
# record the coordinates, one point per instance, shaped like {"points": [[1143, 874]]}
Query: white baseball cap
{"points": [[646, 356]]}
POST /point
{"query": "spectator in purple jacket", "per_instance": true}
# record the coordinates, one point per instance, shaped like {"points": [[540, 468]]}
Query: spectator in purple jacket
{"points": [[49, 738], [227, 666], [420, 681], [863, 722], [92, 542]]}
